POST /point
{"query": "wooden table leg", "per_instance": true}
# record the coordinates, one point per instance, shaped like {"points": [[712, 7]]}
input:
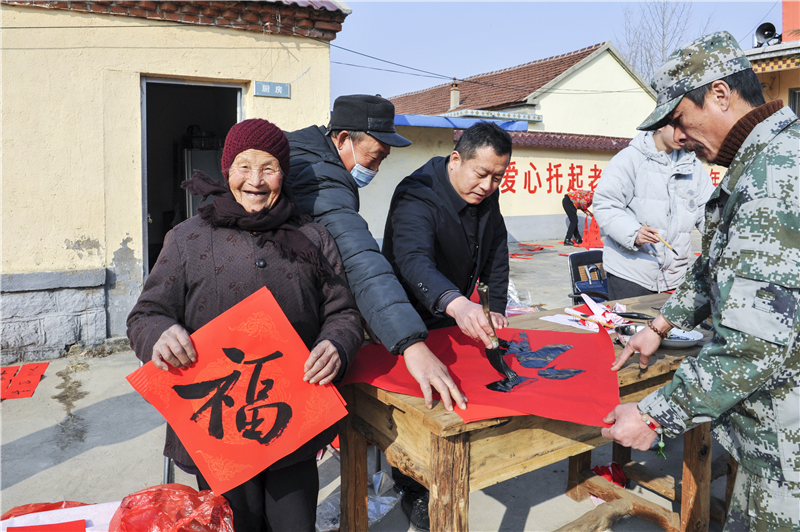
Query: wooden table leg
{"points": [[621, 455], [448, 506], [696, 484], [578, 463], [353, 450]]}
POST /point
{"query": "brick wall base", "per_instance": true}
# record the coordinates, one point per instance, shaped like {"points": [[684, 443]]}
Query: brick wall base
{"points": [[45, 314], [45, 324]]}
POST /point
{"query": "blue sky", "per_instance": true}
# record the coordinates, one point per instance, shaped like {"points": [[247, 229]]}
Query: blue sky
{"points": [[462, 39]]}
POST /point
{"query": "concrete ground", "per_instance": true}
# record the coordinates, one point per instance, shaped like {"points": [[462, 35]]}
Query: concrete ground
{"points": [[87, 436]]}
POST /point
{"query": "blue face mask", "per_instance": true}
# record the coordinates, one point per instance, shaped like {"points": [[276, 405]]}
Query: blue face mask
{"points": [[361, 174]]}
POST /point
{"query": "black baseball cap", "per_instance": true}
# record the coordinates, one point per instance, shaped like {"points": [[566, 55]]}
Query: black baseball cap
{"points": [[371, 114]]}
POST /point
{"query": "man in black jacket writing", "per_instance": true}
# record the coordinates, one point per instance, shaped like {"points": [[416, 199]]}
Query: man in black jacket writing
{"points": [[328, 166], [444, 232]]}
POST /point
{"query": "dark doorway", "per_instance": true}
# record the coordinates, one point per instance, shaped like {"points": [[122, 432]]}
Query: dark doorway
{"points": [[181, 120]]}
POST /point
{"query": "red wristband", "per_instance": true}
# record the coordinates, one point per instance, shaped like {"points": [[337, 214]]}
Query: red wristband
{"points": [[651, 425]]}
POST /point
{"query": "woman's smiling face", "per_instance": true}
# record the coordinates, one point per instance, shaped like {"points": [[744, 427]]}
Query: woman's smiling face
{"points": [[255, 179]]}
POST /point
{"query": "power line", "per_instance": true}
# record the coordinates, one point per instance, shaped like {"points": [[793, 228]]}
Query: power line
{"points": [[421, 72], [459, 80], [493, 85], [442, 76], [762, 20], [433, 74], [384, 70]]}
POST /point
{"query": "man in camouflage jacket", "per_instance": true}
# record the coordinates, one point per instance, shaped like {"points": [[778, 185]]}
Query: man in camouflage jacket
{"points": [[746, 380]]}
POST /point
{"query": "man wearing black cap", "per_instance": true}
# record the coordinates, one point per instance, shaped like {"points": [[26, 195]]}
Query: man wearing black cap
{"points": [[328, 166]]}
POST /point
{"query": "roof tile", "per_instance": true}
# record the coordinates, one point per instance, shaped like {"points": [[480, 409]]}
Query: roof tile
{"points": [[238, 15], [566, 141], [493, 90]]}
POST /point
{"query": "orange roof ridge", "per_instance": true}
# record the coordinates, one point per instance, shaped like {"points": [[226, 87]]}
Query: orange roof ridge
{"points": [[567, 141], [421, 90], [492, 89], [507, 69]]}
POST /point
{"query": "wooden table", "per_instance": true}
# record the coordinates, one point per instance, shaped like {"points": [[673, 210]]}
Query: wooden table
{"points": [[437, 449]]}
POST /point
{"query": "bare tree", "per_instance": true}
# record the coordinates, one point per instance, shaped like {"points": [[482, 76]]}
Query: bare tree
{"points": [[653, 29]]}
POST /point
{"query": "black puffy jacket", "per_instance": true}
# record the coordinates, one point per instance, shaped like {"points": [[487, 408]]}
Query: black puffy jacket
{"points": [[427, 245], [324, 189]]}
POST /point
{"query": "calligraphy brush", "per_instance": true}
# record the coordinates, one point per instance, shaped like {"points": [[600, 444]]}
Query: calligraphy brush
{"points": [[495, 355], [664, 242], [578, 314]]}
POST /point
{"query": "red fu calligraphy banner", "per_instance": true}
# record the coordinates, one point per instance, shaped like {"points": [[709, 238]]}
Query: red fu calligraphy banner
{"points": [[565, 376], [243, 405]]}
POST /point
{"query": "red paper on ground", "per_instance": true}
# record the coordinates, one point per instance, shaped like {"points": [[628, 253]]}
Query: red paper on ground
{"points": [[24, 383], [71, 526], [530, 248], [6, 374], [248, 377], [585, 398], [612, 472]]}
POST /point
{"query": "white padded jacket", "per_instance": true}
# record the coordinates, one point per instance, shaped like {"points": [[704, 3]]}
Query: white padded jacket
{"points": [[667, 192]]}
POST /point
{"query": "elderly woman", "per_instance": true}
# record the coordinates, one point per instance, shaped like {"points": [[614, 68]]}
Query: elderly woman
{"points": [[251, 236]]}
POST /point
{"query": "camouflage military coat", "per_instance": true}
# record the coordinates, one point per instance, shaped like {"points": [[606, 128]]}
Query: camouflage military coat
{"points": [[747, 379]]}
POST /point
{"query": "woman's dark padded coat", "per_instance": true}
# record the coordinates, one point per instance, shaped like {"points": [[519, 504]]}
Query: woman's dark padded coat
{"points": [[203, 271], [324, 189]]}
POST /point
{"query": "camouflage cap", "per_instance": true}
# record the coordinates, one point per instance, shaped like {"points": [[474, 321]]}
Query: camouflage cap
{"points": [[691, 66]]}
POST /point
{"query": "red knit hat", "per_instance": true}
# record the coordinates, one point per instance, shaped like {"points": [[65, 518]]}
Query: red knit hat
{"points": [[255, 134]]}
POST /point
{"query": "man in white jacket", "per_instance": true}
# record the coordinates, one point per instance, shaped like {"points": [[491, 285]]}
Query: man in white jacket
{"points": [[652, 187]]}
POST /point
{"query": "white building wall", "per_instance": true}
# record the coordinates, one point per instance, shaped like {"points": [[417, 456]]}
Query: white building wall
{"points": [[601, 98]]}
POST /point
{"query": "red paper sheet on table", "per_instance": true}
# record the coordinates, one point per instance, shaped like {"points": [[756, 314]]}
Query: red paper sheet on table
{"points": [[584, 398], [243, 405], [24, 383], [71, 526]]}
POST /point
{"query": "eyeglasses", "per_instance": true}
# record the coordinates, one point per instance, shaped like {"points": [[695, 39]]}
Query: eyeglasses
{"points": [[264, 171]]}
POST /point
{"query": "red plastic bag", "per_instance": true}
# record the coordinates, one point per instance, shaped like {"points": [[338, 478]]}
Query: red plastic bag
{"points": [[612, 473], [172, 508], [37, 507]]}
